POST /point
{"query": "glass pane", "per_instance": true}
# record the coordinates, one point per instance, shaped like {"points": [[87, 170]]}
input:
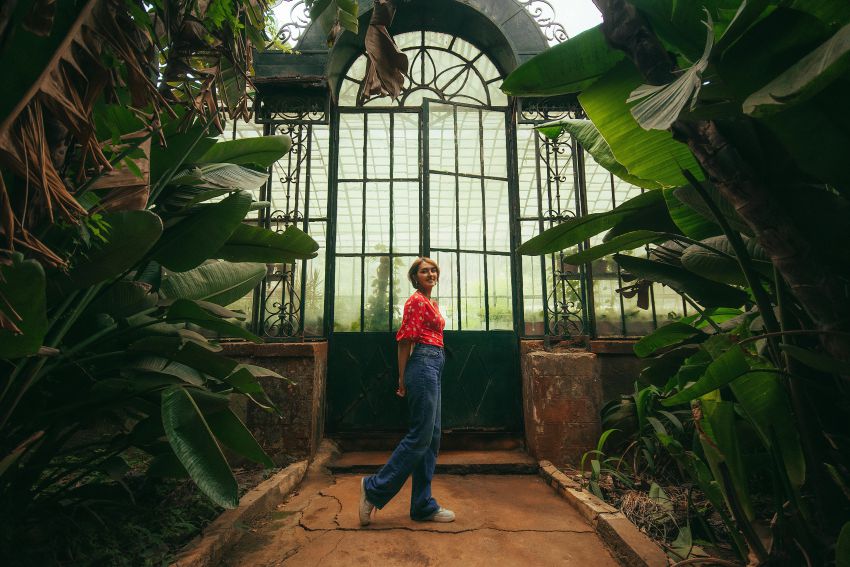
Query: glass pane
{"points": [[638, 321], [499, 296], [668, 304], [378, 217], [441, 138], [406, 146], [402, 289], [319, 152], [349, 217], [446, 291], [378, 146], [472, 292], [607, 304], [351, 146], [377, 312], [469, 141], [495, 144], [406, 217], [314, 288], [443, 211], [528, 180], [471, 214], [532, 296], [347, 295], [348, 93], [498, 216]]}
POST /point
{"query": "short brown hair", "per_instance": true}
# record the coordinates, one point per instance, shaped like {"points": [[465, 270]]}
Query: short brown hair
{"points": [[414, 268]]}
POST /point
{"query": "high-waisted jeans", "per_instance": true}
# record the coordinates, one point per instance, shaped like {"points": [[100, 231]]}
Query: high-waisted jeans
{"points": [[416, 454]]}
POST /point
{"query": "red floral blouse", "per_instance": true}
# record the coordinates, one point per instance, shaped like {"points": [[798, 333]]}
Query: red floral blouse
{"points": [[422, 322]]}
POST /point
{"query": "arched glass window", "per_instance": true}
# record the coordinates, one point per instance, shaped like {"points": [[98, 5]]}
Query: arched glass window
{"points": [[441, 67]]}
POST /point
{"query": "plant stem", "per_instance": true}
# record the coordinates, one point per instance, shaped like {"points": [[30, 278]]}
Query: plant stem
{"points": [[701, 311]]}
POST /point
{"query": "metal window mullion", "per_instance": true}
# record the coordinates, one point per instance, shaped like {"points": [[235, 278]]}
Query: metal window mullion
{"points": [[586, 281], [542, 227], [457, 220], [306, 226], [363, 227], [330, 259], [259, 300], [513, 206], [484, 219], [392, 235]]}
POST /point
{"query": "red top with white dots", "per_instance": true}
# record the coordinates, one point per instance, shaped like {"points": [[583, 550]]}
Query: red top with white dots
{"points": [[422, 322]]}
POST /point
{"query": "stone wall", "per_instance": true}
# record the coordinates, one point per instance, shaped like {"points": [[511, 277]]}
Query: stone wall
{"points": [[562, 395], [298, 432], [564, 390]]}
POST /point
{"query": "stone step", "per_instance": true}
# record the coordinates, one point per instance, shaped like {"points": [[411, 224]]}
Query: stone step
{"points": [[449, 462], [457, 440]]}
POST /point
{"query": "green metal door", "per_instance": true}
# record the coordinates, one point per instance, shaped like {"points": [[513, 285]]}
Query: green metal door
{"points": [[461, 217]]}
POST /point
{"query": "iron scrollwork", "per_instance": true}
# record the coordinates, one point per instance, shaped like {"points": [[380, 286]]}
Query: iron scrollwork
{"points": [[544, 14], [294, 24], [282, 308]]}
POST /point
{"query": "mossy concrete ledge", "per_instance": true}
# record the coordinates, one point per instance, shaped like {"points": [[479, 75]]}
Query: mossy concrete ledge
{"points": [[628, 544], [226, 530]]}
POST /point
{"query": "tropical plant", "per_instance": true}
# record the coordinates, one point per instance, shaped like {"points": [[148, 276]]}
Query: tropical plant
{"points": [[742, 210], [122, 237]]}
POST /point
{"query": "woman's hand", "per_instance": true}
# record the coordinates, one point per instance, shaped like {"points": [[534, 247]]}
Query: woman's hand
{"points": [[401, 389]]}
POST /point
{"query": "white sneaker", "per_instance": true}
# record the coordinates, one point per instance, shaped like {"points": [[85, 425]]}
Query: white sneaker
{"points": [[366, 507], [442, 515]]}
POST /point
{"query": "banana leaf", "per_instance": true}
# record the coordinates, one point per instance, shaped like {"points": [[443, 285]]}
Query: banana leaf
{"points": [[261, 152], [23, 307], [199, 236], [565, 68], [255, 244], [195, 446]]}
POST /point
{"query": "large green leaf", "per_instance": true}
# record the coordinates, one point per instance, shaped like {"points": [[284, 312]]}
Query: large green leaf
{"points": [[669, 335], [23, 303], [679, 24], [721, 268], [763, 398], [578, 229], [707, 292], [123, 299], [721, 371], [652, 155], [195, 446], [180, 148], [160, 365], [233, 434], [221, 283], [187, 311], [660, 369], [565, 68], [690, 197], [193, 354], [221, 176], [628, 241], [131, 234], [805, 78], [592, 141], [255, 244], [720, 443], [689, 221], [261, 152], [199, 236], [842, 547]]}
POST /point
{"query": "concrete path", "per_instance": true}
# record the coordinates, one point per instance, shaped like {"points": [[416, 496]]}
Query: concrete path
{"points": [[501, 520]]}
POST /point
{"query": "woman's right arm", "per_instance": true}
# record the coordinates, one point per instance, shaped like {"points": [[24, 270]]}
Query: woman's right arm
{"points": [[404, 348]]}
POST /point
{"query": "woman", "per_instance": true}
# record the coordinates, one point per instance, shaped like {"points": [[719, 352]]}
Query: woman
{"points": [[420, 364]]}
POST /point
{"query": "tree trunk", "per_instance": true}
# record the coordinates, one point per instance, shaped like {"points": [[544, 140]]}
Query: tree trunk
{"points": [[820, 291]]}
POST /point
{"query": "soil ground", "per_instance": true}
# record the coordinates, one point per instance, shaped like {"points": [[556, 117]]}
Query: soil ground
{"points": [[501, 520]]}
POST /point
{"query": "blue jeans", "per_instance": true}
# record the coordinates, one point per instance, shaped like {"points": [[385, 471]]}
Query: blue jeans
{"points": [[416, 454]]}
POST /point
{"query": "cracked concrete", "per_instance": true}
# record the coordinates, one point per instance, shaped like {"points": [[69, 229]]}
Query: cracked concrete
{"points": [[502, 520]]}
